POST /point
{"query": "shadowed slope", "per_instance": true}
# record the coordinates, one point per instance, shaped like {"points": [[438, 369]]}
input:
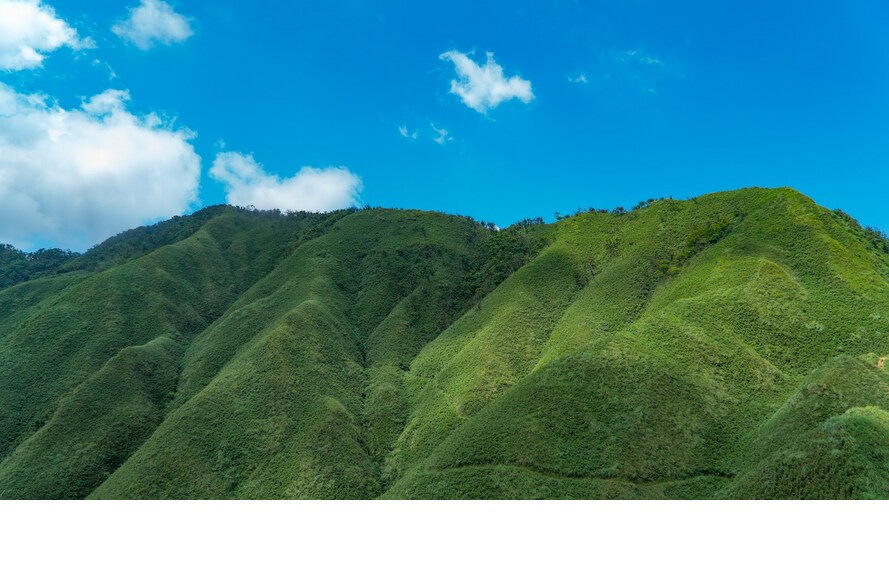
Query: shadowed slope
{"points": [[273, 400], [96, 427], [65, 337]]}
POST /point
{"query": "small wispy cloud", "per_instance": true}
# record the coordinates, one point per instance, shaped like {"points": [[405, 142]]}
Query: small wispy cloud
{"points": [[429, 131], [442, 135], [408, 134], [484, 87], [153, 22], [579, 79], [638, 56], [639, 68], [100, 64]]}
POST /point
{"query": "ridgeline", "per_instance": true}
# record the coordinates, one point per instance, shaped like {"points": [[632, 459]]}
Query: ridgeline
{"points": [[727, 346]]}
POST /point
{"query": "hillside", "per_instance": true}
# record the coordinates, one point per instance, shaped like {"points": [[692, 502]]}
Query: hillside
{"points": [[727, 346]]}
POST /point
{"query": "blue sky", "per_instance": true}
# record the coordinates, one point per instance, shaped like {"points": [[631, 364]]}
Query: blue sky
{"points": [[624, 100]]}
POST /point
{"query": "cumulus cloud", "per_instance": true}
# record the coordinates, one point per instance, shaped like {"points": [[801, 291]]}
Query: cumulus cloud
{"points": [[153, 22], [311, 189], [483, 87], [29, 30], [74, 177]]}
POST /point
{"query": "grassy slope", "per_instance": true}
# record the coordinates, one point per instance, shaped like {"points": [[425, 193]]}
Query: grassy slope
{"points": [[720, 347], [656, 373], [277, 395], [76, 325], [829, 439], [96, 426]]}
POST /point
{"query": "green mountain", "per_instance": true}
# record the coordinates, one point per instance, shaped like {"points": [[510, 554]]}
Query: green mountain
{"points": [[728, 346]]}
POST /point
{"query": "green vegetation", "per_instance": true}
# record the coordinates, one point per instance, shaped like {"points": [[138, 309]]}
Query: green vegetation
{"points": [[17, 266], [728, 346]]}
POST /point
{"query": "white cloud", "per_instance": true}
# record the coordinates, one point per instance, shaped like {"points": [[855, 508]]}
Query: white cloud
{"points": [[75, 177], [484, 87], [29, 30], [406, 133], [441, 135], [579, 79], [153, 22], [311, 189]]}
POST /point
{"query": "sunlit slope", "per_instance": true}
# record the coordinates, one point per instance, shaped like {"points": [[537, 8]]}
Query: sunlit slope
{"points": [[729, 346], [700, 320]]}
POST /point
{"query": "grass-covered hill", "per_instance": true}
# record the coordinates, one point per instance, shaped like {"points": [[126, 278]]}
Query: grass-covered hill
{"points": [[728, 346]]}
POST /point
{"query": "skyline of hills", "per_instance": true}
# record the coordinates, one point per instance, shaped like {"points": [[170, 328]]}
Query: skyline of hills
{"points": [[726, 346]]}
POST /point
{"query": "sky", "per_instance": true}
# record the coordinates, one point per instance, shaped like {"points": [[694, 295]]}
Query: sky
{"points": [[119, 114]]}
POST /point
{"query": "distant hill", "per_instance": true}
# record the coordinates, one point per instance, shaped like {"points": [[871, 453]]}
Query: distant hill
{"points": [[727, 346]]}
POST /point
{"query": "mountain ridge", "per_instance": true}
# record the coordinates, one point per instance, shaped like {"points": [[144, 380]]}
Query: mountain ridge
{"points": [[671, 351]]}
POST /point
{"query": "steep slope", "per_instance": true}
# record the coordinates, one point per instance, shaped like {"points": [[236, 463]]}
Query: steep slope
{"points": [[726, 346], [272, 396], [829, 440], [63, 337], [96, 426], [701, 319]]}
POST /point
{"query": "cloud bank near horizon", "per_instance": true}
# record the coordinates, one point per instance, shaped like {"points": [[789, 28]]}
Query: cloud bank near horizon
{"points": [[74, 177], [311, 189]]}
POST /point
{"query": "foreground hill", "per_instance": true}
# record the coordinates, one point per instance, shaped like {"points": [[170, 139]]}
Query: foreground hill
{"points": [[729, 346]]}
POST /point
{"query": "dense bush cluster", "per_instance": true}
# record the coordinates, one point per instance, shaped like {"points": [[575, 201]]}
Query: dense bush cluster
{"points": [[872, 236], [17, 266], [503, 252], [701, 236]]}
